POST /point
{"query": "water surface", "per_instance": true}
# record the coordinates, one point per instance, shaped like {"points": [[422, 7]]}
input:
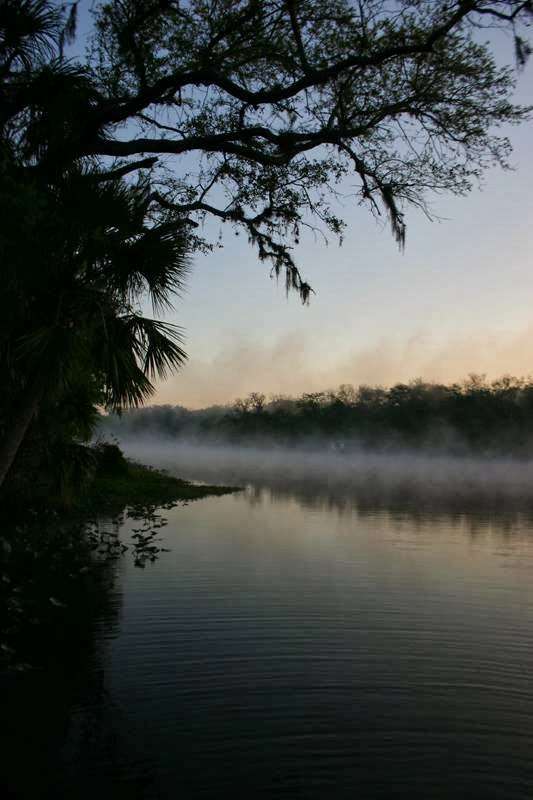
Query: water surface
{"points": [[300, 642]]}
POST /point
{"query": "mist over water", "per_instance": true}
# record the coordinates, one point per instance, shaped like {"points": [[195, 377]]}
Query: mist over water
{"points": [[349, 625], [323, 473], [352, 624]]}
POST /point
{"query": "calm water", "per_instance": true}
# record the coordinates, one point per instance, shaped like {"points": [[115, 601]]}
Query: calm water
{"points": [[300, 642]]}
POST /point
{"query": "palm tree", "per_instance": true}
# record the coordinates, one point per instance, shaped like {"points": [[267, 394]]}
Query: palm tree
{"points": [[78, 247], [76, 268]]}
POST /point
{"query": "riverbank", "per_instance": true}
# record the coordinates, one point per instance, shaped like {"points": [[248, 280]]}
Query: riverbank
{"points": [[107, 483], [140, 485], [57, 560]]}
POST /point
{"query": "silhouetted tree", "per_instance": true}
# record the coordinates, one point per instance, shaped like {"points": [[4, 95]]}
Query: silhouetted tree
{"points": [[75, 268], [281, 100], [258, 112], [78, 252]]}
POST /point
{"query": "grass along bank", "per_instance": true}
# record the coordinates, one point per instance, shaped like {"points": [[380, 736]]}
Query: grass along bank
{"points": [[120, 482]]}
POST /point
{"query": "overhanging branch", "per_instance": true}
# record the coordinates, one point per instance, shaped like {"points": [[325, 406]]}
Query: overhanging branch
{"points": [[120, 172], [278, 254], [210, 76]]}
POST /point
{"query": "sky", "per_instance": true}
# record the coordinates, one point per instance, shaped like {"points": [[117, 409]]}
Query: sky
{"points": [[458, 300]]}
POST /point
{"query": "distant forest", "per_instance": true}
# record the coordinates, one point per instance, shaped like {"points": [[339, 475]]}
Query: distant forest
{"points": [[472, 416]]}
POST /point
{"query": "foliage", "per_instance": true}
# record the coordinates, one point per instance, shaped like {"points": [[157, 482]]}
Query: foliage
{"points": [[76, 260], [259, 113], [140, 486], [78, 254], [470, 416], [110, 459]]}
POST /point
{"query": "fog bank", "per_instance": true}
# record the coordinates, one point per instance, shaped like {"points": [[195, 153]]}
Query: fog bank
{"points": [[379, 478]]}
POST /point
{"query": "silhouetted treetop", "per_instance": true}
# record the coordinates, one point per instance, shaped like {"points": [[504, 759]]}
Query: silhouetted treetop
{"points": [[471, 416], [259, 112]]}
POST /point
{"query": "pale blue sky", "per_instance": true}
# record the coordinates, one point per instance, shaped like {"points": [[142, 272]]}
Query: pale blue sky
{"points": [[459, 299]]}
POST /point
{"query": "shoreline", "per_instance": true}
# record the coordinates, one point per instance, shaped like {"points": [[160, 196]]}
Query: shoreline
{"points": [[142, 485], [56, 559]]}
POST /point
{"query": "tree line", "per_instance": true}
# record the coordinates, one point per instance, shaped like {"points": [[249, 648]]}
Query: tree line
{"points": [[473, 415]]}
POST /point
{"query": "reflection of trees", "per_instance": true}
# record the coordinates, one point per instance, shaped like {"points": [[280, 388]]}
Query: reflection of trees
{"points": [[460, 491], [63, 737], [408, 502]]}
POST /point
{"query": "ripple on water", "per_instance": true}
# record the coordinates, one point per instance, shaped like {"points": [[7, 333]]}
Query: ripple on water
{"points": [[283, 650]]}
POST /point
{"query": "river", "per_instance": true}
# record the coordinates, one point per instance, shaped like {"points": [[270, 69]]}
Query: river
{"points": [[305, 639]]}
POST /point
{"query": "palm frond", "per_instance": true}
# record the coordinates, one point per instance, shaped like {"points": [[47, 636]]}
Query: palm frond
{"points": [[29, 31], [158, 344], [156, 262]]}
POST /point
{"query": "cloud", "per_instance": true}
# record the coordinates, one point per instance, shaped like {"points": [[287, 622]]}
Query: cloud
{"points": [[293, 364]]}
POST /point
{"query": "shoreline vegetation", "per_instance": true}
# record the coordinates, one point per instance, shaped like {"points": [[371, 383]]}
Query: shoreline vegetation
{"points": [[469, 417], [57, 551], [142, 486], [105, 485]]}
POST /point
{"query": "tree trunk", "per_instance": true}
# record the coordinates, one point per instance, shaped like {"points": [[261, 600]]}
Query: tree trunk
{"points": [[20, 422]]}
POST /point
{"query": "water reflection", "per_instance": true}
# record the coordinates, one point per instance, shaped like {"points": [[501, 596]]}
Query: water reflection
{"points": [[413, 511], [306, 638], [466, 492], [62, 735], [287, 650]]}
